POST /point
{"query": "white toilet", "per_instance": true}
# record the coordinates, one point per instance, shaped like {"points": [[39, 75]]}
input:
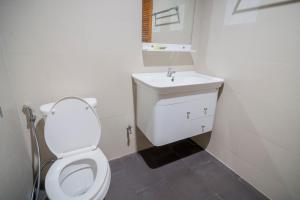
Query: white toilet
{"points": [[72, 133]]}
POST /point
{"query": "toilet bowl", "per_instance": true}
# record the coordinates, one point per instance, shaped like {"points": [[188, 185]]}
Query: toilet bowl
{"points": [[72, 133], [84, 176]]}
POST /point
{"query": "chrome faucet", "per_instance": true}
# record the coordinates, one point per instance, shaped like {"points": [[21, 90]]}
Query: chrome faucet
{"points": [[170, 72]]}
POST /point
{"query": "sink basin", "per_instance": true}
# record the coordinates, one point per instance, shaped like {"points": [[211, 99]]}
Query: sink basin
{"points": [[173, 108], [179, 82]]}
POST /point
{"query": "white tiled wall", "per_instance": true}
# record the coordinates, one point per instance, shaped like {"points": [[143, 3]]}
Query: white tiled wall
{"points": [[85, 48], [257, 129]]}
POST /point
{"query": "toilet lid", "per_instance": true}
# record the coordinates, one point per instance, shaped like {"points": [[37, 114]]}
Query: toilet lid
{"points": [[71, 126]]}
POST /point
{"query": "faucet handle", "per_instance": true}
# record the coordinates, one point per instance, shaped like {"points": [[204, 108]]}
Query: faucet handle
{"points": [[170, 72]]}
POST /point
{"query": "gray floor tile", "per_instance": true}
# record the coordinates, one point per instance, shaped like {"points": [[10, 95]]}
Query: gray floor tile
{"points": [[185, 148], [252, 191], [214, 171], [197, 160], [190, 185], [159, 190], [174, 168], [121, 187], [116, 165], [159, 156], [140, 174], [225, 183]]}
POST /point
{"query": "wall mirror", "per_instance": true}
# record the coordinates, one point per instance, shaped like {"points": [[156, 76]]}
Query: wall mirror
{"points": [[167, 25]]}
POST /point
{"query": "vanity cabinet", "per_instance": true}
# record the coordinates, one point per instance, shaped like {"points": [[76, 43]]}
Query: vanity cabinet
{"points": [[164, 119], [169, 109]]}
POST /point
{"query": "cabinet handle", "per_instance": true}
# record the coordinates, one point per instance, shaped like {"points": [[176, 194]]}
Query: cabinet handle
{"points": [[202, 128], [188, 115], [205, 110]]}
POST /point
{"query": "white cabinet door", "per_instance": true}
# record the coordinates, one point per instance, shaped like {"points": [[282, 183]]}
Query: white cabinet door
{"points": [[171, 123], [176, 122]]}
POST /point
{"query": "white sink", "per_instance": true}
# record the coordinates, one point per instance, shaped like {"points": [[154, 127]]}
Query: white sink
{"points": [[179, 82], [173, 108]]}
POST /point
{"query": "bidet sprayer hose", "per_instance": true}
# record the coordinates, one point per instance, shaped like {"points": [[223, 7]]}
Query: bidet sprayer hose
{"points": [[31, 122]]}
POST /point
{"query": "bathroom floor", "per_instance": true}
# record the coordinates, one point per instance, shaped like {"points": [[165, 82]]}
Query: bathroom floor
{"points": [[180, 170]]}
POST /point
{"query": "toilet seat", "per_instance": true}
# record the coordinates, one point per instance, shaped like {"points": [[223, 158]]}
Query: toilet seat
{"points": [[72, 133], [52, 182], [72, 126]]}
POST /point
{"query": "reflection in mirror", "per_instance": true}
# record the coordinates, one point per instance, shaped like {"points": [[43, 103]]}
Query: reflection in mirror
{"points": [[168, 21]]}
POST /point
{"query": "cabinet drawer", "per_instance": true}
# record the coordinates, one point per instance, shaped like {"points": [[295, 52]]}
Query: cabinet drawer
{"points": [[201, 125], [194, 106], [201, 108], [172, 123]]}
